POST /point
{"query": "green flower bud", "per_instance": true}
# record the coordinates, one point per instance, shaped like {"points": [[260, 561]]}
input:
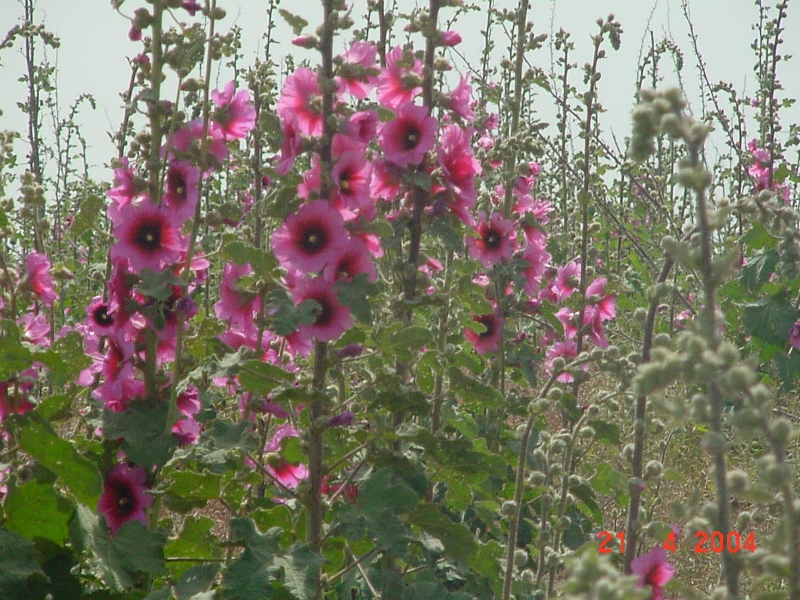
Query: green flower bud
{"points": [[508, 509], [520, 558], [738, 482]]}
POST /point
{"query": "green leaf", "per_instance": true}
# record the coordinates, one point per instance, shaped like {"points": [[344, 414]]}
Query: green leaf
{"points": [[261, 377], [157, 284], [355, 295], [14, 357], [758, 237], [61, 457], [296, 22], [407, 342], [196, 580], [54, 408], [90, 208], [299, 571], [457, 539], [254, 573], [286, 317], [585, 494], [473, 391], [227, 436], [188, 490], [770, 319], [122, 557], [759, 268], [262, 263], [382, 499], [36, 510], [147, 441], [17, 565], [788, 369], [605, 431], [610, 482]]}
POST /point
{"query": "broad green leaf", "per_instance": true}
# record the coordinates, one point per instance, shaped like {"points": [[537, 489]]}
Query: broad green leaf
{"points": [[760, 266], [36, 510], [605, 431], [196, 580], [61, 457], [300, 567], [473, 391], [261, 378], [262, 263], [254, 573], [457, 539], [188, 490], [770, 319], [14, 357], [355, 295], [17, 565], [147, 440]]}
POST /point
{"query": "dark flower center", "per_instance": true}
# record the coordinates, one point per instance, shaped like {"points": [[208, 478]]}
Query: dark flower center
{"points": [[411, 138], [325, 313], [314, 239], [101, 316], [487, 322], [148, 236], [126, 503], [492, 240], [177, 183]]}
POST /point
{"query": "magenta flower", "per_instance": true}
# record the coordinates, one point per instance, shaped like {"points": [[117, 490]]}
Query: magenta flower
{"points": [[185, 138], [191, 7], [653, 570], [186, 431], [300, 90], [288, 474], [459, 166], [406, 139], [147, 236], [496, 243], [290, 147], [127, 187], [352, 261], [537, 257], [794, 335], [124, 496], [397, 84], [362, 126], [351, 176], [182, 191], [37, 278], [310, 238], [236, 305], [606, 304], [234, 115], [460, 100], [451, 38], [100, 318], [12, 400], [489, 340], [363, 55], [333, 318], [385, 184], [567, 280]]}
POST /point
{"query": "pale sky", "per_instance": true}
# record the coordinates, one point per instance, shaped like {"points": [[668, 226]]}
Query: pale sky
{"points": [[94, 47]]}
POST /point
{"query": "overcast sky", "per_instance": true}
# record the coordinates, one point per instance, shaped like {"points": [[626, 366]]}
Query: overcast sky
{"points": [[94, 47]]}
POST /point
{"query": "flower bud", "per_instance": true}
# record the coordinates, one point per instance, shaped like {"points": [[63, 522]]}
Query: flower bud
{"points": [[520, 558]]}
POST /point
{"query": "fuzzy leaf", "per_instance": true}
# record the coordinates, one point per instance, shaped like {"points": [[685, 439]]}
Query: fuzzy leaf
{"points": [[36, 510], [147, 442], [17, 564]]}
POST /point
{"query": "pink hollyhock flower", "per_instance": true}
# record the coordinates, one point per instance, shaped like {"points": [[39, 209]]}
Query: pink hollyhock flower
{"points": [[459, 166], [385, 184], [362, 126], [127, 187], [489, 340], [352, 261], [13, 401], [606, 304], [37, 278], [653, 570], [361, 54], [299, 99], [288, 474], [537, 257], [185, 138], [794, 335], [147, 236], [235, 115], [460, 99], [568, 350], [191, 7], [406, 139], [496, 243], [290, 147], [100, 317], [36, 329], [182, 189], [189, 401], [333, 318], [567, 280], [125, 497], [398, 84], [310, 238], [351, 177], [236, 305], [187, 431], [451, 38]]}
